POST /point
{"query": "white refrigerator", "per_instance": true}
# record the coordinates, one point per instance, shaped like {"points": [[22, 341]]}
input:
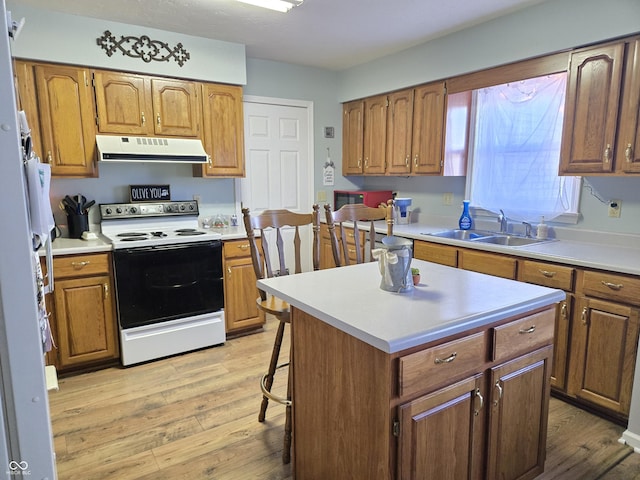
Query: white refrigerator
{"points": [[26, 443]]}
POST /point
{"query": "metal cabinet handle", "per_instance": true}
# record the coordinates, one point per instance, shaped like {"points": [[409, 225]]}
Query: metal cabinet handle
{"points": [[106, 290], [497, 400], [415, 160], [229, 271], [607, 153], [407, 159], [613, 286], [547, 273], [531, 329], [142, 117], [49, 156], [449, 359], [563, 310], [481, 400], [628, 152], [583, 315], [79, 265], [158, 119]]}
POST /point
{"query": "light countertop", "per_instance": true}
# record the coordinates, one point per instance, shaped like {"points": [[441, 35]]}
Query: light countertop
{"points": [[71, 246], [447, 301]]}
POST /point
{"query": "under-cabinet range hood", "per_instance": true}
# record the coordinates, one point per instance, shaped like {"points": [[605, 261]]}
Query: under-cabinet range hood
{"points": [[114, 148]]}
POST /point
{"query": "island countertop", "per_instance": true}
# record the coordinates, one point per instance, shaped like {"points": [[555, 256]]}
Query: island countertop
{"points": [[446, 302]]}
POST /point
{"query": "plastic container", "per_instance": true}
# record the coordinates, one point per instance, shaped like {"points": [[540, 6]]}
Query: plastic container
{"points": [[543, 230], [465, 222], [402, 204]]}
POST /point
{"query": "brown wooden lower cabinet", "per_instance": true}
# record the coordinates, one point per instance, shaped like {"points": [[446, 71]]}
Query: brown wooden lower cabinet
{"points": [[85, 328], [473, 406], [241, 312], [603, 354]]}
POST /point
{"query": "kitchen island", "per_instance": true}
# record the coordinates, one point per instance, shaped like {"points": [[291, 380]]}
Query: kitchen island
{"points": [[449, 380]]}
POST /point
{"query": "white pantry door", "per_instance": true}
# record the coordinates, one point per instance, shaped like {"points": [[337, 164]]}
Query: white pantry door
{"points": [[279, 159]]}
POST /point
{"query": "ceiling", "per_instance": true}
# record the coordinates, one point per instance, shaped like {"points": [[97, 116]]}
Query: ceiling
{"points": [[332, 34]]}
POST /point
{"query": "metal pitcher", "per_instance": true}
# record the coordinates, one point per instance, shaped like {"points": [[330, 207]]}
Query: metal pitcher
{"points": [[394, 262]]}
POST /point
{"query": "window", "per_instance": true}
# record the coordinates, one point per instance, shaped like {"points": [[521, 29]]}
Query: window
{"points": [[514, 150]]}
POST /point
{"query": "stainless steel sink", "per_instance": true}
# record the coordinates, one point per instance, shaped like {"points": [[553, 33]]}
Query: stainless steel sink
{"points": [[509, 240], [484, 236], [462, 234]]}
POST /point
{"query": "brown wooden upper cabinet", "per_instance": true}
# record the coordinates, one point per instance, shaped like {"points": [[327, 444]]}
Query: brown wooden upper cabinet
{"points": [[223, 131], [140, 105], [352, 137], [67, 127], [400, 133], [600, 133]]}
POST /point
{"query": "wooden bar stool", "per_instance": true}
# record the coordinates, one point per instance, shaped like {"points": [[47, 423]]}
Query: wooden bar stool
{"points": [[280, 236], [355, 215]]}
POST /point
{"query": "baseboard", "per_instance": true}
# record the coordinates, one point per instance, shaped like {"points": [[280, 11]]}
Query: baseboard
{"points": [[631, 439]]}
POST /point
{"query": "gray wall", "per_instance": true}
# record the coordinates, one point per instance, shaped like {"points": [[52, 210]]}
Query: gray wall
{"points": [[544, 28]]}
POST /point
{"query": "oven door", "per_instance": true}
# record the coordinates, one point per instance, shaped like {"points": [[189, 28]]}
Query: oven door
{"points": [[161, 283]]}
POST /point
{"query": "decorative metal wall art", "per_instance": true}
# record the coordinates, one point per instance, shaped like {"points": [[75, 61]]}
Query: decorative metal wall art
{"points": [[142, 47]]}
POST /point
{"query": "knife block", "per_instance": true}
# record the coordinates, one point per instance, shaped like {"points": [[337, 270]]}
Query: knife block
{"points": [[77, 223]]}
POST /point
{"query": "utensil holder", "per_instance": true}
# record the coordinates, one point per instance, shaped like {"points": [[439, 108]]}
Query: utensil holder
{"points": [[77, 224]]}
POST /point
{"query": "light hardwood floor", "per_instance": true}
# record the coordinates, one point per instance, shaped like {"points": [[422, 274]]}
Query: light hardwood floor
{"points": [[194, 416]]}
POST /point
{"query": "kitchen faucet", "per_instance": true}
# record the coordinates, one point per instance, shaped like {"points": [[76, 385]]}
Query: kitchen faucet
{"points": [[502, 218], [527, 229]]}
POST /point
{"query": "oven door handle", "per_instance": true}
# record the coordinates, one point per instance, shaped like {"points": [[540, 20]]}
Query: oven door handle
{"points": [[177, 246]]}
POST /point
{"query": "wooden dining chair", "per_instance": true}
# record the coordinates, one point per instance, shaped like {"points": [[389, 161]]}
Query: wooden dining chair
{"points": [[280, 252], [355, 215]]}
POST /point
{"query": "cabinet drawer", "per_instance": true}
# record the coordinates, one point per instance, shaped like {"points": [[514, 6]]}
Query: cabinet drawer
{"points": [[611, 287], [547, 274], [497, 265], [432, 252], [80, 265], [523, 335], [439, 364], [237, 248]]}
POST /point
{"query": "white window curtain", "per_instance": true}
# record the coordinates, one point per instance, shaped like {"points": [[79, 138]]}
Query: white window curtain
{"points": [[516, 150]]}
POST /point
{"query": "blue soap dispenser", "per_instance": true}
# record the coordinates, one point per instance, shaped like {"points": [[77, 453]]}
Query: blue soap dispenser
{"points": [[465, 221]]}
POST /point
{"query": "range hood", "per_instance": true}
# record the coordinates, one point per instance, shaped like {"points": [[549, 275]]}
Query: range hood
{"points": [[114, 148]]}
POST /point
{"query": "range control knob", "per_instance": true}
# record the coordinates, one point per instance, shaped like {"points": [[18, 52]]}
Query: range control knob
{"points": [[133, 210], [118, 210], [191, 207], [108, 211], [181, 207]]}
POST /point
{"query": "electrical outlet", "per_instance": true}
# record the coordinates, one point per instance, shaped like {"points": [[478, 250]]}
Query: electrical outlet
{"points": [[614, 208], [447, 198], [322, 195], [197, 198]]}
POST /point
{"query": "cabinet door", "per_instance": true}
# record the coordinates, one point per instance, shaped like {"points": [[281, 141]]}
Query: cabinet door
{"points": [[176, 108], [441, 434], [591, 110], [399, 126], [65, 101], [123, 103], [628, 145], [85, 320], [519, 405], [603, 353], [326, 250], [352, 137], [240, 293], [428, 122], [561, 344], [223, 131], [28, 101], [375, 134]]}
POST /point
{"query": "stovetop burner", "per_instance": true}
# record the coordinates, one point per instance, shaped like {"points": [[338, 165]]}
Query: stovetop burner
{"points": [[153, 224]]}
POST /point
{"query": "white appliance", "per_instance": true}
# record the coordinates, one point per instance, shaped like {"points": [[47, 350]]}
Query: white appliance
{"points": [[26, 443], [169, 279], [119, 148]]}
